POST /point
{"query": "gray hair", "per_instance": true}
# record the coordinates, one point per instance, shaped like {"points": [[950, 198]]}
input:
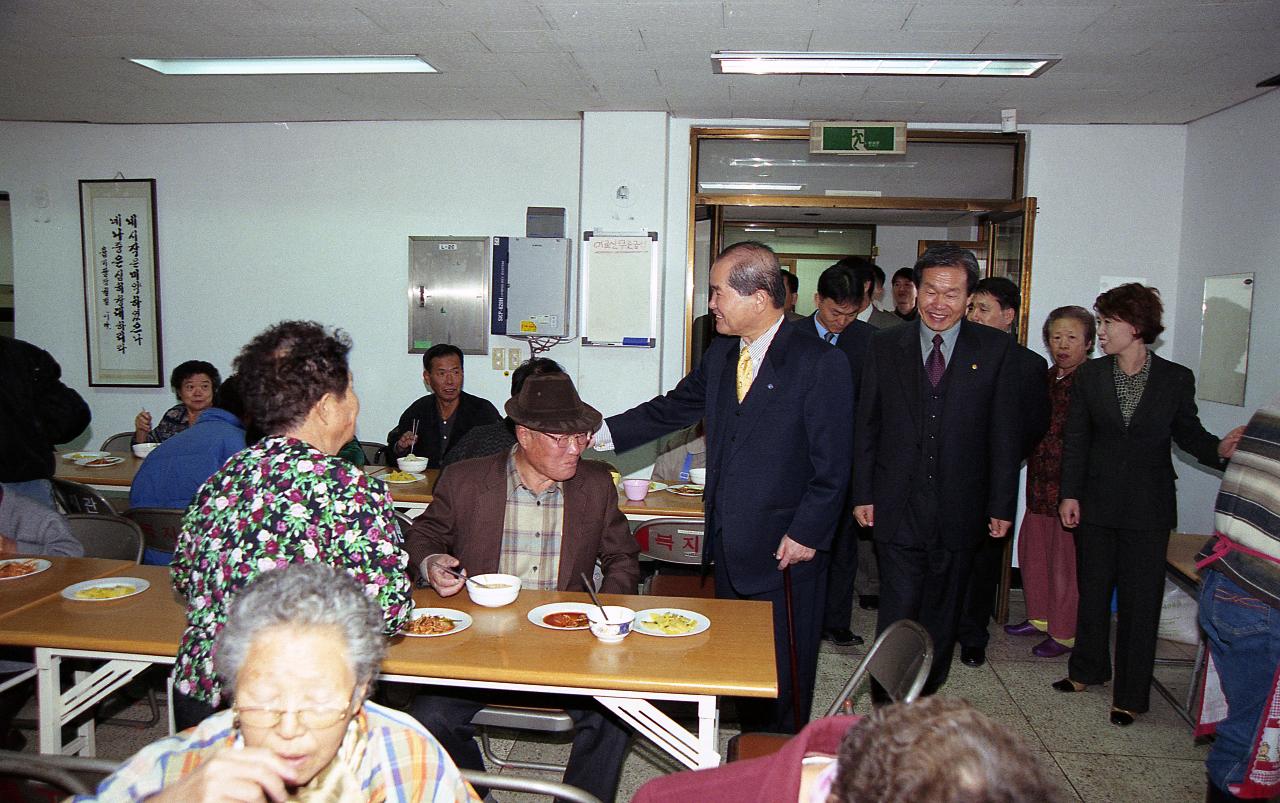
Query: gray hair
{"points": [[303, 595], [754, 267]]}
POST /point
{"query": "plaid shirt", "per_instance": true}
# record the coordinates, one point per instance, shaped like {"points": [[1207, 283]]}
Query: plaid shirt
{"points": [[402, 761], [531, 530]]}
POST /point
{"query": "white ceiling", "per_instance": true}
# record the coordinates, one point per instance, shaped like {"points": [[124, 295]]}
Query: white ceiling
{"points": [[1123, 61]]}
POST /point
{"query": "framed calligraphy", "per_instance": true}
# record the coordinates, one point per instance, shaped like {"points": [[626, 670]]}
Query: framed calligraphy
{"points": [[121, 282]]}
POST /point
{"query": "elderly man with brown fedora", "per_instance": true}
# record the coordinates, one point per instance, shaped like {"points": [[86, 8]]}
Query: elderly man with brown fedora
{"points": [[543, 514]]}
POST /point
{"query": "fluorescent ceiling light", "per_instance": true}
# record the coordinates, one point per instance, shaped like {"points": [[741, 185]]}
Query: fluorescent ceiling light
{"points": [[748, 185], [754, 228], [932, 64], [290, 65]]}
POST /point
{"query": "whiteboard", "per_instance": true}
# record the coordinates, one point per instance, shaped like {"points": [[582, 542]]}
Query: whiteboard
{"points": [[620, 277]]}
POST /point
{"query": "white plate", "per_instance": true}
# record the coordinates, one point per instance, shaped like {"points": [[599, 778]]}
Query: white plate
{"points": [[685, 489], [537, 613], [139, 585], [108, 460], [655, 486], [702, 623], [84, 455], [40, 563], [462, 621], [416, 477]]}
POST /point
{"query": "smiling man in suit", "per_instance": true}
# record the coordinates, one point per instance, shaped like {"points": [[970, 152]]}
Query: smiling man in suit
{"points": [[937, 453], [776, 404]]}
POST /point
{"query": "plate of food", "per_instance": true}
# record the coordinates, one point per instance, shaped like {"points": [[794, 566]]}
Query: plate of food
{"points": [[670, 622], [105, 589], [685, 489], [402, 477], [100, 462], [561, 615], [14, 568], [74, 456], [655, 486], [432, 622]]}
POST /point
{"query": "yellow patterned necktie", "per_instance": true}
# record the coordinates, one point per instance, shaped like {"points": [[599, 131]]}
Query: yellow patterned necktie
{"points": [[744, 374]]}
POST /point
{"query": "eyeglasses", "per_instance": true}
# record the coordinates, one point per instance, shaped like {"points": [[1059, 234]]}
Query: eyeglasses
{"points": [[580, 440], [310, 718]]}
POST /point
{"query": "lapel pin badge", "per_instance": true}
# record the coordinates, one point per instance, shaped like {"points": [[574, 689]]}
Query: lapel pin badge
{"points": [[973, 367], [770, 386]]}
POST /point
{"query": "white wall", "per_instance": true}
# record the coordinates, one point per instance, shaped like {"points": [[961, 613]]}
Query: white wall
{"points": [[898, 246], [260, 222], [1230, 224]]}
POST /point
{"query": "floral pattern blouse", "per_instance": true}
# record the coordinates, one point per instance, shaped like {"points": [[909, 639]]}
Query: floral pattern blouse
{"points": [[1044, 467], [278, 502], [173, 421]]}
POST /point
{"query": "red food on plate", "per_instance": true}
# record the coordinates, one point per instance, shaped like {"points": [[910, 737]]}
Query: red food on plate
{"points": [[565, 619]]}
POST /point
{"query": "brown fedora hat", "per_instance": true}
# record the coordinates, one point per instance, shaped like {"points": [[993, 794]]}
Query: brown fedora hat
{"points": [[550, 403]]}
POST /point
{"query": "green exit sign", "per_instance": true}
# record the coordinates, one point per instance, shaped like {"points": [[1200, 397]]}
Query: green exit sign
{"points": [[858, 138]]}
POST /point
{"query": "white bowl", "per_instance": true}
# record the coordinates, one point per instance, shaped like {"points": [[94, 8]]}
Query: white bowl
{"points": [[413, 463], [141, 450], [615, 627], [698, 476], [494, 597]]}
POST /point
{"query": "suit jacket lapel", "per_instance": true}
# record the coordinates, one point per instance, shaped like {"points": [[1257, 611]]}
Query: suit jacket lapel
{"points": [[574, 506], [766, 385], [1107, 378], [910, 368]]}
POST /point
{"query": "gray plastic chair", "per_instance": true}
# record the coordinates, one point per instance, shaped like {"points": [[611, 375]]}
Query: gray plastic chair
{"points": [[372, 452], [119, 442], [160, 526], [107, 536], [73, 497], [676, 542]]}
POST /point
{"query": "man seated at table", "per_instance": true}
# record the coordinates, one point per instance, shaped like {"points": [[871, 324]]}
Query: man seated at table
{"points": [[499, 436], [541, 513], [432, 424]]}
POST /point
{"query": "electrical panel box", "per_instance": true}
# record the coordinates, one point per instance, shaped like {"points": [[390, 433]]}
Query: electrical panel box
{"points": [[448, 293], [531, 286]]}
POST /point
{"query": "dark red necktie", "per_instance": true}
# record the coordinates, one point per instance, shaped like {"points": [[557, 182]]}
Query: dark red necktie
{"points": [[935, 366]]}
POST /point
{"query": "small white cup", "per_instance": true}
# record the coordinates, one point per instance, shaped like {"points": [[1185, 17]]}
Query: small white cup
{"points": [[413, 464], [636, 490], [614, 626], [141, 450], [698, 476]]}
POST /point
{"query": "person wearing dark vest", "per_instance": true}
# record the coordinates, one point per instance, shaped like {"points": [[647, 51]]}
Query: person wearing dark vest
{"points": [[995, 303], [776, 404], [434, 423], [935, 467]]}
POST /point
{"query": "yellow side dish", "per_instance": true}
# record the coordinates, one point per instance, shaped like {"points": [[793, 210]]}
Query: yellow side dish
{"points": [[673, 624], [104, 592], [400, 476]]}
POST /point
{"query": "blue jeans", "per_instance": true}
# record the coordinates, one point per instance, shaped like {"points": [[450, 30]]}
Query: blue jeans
{"points": [[1244, 638]]}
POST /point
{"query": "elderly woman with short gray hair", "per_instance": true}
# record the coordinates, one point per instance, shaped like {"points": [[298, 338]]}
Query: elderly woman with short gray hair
{"points": [[299, 654]]}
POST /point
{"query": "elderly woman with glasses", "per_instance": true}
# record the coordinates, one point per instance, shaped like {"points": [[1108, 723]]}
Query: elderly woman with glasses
{"points": [[299, 654]]}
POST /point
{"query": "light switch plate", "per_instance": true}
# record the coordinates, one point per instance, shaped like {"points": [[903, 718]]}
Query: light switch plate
{"points": [[514, 358], [497, 356]]}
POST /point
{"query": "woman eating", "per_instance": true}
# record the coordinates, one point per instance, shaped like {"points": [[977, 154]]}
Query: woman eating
{"points": [[299, 653], [1046, 551], [194, 382], [1118, 492], [286, 499]]}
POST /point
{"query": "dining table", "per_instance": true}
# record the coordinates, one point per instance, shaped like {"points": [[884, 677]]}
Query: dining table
{"points": [[501, 649]]}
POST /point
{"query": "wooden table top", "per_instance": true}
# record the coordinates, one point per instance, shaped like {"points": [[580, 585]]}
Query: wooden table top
{"points": [[19, 593], [120, 475], [1181, 555], [734, 657]]}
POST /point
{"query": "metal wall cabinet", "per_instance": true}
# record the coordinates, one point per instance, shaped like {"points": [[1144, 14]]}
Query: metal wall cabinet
{"points": [[448, 293]]}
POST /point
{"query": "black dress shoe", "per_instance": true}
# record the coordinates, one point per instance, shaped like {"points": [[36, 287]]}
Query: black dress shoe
{"points": [[1121, 718], [869, 602], [973, 656], [843, 637], [1068, 686]]}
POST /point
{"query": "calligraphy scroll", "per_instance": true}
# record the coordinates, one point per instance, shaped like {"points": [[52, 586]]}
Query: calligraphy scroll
{"points": [[121, 282]]}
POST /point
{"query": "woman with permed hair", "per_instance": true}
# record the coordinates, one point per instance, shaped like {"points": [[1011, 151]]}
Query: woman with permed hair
{"points": [[194, 382], [1117, 492]]}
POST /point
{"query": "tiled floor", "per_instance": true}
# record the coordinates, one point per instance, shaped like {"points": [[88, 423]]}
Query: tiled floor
{"points": [[1153, 760]]}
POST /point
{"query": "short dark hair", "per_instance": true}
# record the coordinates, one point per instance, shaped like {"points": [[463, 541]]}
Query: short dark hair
{"points": [[1135, 304], [1003, 290], [863, 271], [286, 370], [947, 255], [440, 350], [535, 367], [1078, 314], [904, 273], [754, 266], [941, 750], [839, 284], [227, 397], [792, 280], [879, 272], [189, 369]]}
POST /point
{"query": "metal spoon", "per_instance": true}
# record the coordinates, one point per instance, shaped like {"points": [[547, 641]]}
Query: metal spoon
{"points": [[457, 573]]}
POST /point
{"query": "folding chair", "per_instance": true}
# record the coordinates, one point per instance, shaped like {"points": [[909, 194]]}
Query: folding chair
{"points": [[372, 452], [119, 442], [160, 528], [73, 497], [107, 536], [677, 542], [899, 661]]}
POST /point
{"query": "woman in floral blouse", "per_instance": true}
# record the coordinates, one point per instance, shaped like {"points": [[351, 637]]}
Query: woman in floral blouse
{"points": [[287, 499]]}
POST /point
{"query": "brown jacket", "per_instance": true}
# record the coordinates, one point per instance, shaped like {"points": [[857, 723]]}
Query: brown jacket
{"points": [[466, 515]]}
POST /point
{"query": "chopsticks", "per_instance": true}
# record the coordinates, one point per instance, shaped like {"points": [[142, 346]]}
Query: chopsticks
{"points": [[414, 432]]}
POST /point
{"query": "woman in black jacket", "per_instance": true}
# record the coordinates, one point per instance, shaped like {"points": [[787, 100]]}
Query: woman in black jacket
{"points": [[1118, 491]]}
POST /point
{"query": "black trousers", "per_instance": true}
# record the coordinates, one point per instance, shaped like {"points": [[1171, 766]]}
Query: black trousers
{"points": [[1132, 562], [980, 597], [841, 575], [927, 585], [599, 741]]}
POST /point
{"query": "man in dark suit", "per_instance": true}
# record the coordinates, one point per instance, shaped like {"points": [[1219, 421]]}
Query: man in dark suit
{"points": [[840, 298], [935, 460], [493, 514], [995, 303], [443, 416], [776, 404]]}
